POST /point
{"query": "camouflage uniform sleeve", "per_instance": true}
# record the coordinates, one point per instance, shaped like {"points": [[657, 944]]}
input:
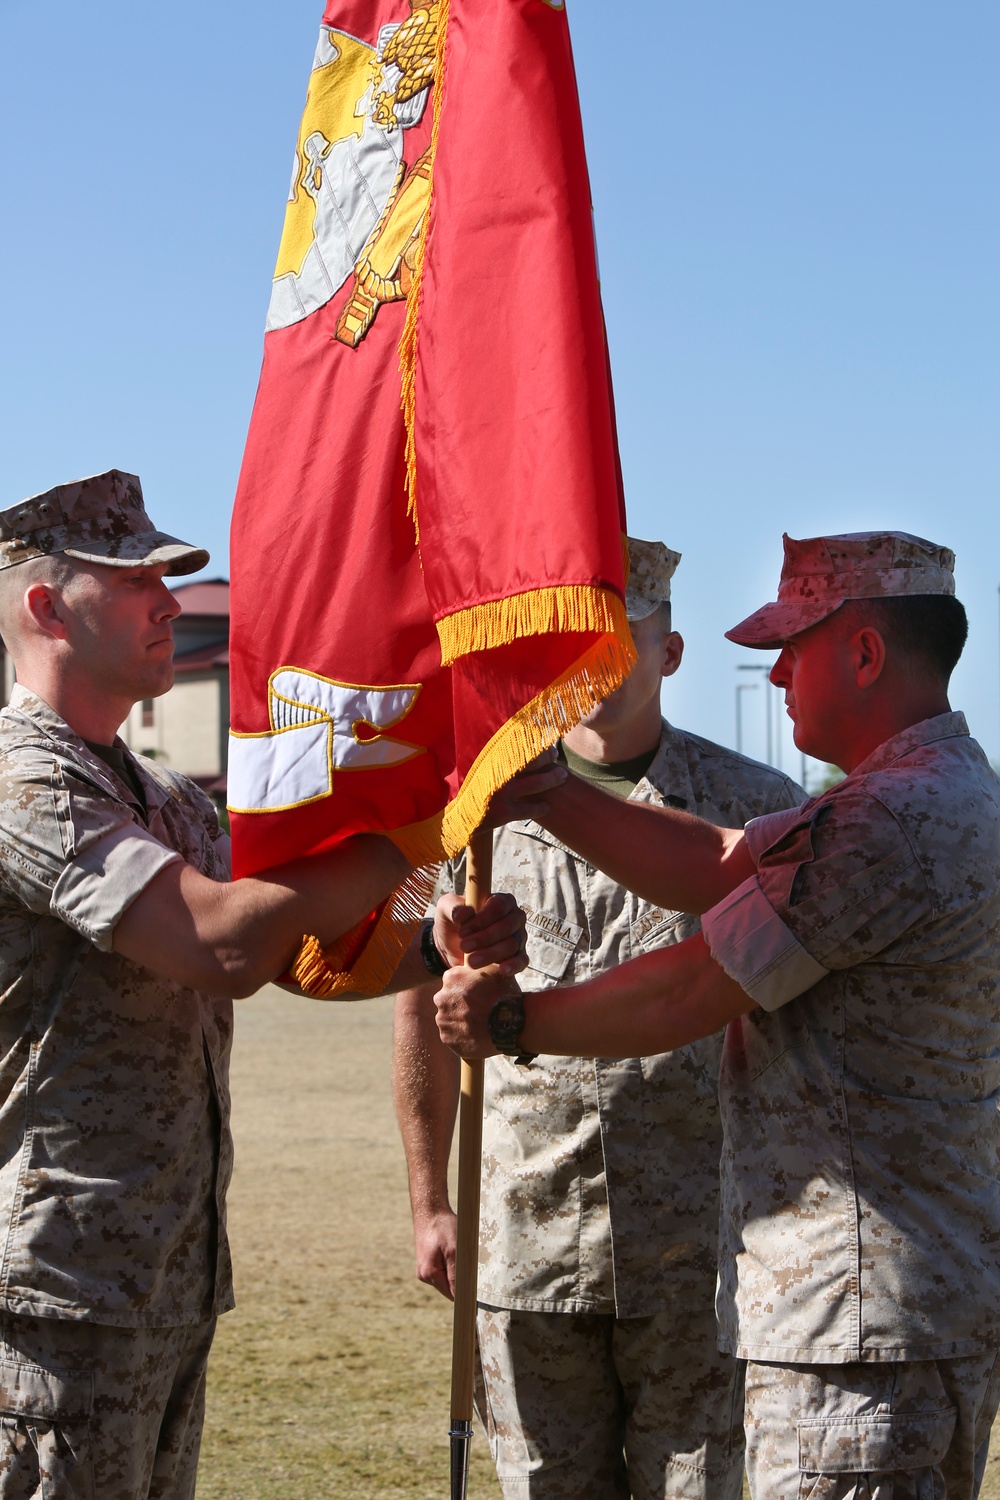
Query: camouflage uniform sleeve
{"points": [[69, 851], [834, 887], [786, 794], [222, 848], [451, 877]]}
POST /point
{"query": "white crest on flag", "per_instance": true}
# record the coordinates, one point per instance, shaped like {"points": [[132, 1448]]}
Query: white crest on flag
{"points": [[344, 175], [315, 724]]}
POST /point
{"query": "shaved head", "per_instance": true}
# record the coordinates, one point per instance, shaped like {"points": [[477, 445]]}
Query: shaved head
{"points": [[925, 631], [57, 571]]}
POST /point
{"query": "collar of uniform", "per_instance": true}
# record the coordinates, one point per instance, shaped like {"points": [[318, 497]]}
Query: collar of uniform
{"points": [[43, 717], [668, 779], [941, 727]]}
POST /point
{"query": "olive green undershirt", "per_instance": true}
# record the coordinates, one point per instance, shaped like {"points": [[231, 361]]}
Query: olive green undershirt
{"points": [[619, 777]]}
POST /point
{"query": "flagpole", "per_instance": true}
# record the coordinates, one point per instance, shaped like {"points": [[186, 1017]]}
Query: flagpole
{"points": [[478, 879]]}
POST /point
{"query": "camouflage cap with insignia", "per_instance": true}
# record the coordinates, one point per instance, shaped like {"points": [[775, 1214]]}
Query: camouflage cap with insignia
{"points": [[651, 567], [823, 572], [100, 519]]}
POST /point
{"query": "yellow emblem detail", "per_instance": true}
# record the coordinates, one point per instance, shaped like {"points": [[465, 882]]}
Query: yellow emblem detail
{"points": [[354, 206], [410, 51], [330, 115]]}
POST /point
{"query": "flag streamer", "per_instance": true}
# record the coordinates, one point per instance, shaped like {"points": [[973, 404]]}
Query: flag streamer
{"points": [[533, 729]]}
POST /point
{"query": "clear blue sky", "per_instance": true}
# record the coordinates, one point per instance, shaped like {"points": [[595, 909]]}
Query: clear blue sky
{"points": [[799, 230]]}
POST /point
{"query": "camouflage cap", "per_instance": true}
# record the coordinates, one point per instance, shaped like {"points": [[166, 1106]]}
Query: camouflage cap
{"points": [[99, 519], [823, 572], [651, 567]]}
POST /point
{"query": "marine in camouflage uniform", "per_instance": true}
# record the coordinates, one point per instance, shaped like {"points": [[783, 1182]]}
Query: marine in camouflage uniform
{"points": [[861, 1094], [121, 945], [114, 1144], [599, 1226], [858, 962]]}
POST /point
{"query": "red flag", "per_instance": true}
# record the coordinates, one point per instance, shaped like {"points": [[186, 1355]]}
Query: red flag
{"points": [[427, 571]]}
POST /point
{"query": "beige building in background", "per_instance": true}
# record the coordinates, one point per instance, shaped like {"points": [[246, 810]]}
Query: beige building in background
{"points": [[188, 728]]}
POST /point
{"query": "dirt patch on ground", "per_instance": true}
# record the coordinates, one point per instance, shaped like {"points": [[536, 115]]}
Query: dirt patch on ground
{"points": [[331, 1378]]}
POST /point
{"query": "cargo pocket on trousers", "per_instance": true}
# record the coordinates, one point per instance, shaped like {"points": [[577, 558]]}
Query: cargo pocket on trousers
{"points": [[895, 1456], [45, 1440]]}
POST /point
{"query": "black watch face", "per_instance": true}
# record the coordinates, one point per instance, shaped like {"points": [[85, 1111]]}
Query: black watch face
{"points": [[506, 1021]]}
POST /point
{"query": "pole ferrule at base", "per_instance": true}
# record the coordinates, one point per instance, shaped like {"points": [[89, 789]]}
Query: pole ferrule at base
{"points": [[460, 1434]]}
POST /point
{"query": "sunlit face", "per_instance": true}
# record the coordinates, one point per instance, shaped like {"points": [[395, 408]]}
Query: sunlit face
{"points": [[641, 687], [816, 672], [119, 627]]}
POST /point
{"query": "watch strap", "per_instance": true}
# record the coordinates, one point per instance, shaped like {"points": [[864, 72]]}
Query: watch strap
{"points": [[434, 960]]}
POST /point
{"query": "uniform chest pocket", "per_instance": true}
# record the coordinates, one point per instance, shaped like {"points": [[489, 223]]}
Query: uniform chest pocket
{"points": [[659, 929], [550, 944]]}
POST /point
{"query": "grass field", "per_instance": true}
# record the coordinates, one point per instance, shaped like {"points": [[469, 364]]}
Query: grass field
{"points": [[331, 1377]]}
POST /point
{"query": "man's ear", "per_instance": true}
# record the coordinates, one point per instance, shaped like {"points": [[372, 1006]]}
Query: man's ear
{"points": [[44, 605], [869, 656], [673, 650]]}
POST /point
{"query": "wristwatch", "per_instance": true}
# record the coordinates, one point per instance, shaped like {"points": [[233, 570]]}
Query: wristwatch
{"points": [[434, 961], [505, 1023]]}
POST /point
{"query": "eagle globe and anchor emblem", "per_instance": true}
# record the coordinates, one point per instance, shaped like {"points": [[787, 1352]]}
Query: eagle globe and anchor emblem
{"points": [[355, 208]]}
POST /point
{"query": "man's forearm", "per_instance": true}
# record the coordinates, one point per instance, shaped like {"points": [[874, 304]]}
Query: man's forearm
{"points": [[232, 938], [649, 1005], [425, 1083], [655, 1003], [670, 858], [322, 896], [425, 1079]]}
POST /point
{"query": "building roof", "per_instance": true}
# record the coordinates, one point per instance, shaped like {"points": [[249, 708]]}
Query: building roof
{"points": [[202, 659], [207, 596]]}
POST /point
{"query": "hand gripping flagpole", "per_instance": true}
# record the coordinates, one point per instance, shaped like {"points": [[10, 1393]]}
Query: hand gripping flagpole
{"points": [[478, 879]]}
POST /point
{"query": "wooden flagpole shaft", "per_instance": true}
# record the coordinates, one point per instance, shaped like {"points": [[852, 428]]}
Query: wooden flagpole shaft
{"points": [[478, 878]]}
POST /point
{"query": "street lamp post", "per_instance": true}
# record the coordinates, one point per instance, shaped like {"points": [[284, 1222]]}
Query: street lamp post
{"points": [[746, 667], [742, 687]]}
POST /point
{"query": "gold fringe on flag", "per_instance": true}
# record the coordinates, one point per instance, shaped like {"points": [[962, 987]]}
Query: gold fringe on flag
{"points": [[408, 342], [534, 728], [327, 974], [419, 842], [546, 611], [335, 973]]}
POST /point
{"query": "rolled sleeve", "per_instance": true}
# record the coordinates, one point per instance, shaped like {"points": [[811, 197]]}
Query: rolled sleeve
{"points": [[770, 829], [837, 884], [102, 881], [747, 937]]}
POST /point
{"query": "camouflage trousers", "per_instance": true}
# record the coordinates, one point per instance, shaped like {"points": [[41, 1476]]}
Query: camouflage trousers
{"points": [[582, 1406], [908, 1431], [89, 1412]]}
